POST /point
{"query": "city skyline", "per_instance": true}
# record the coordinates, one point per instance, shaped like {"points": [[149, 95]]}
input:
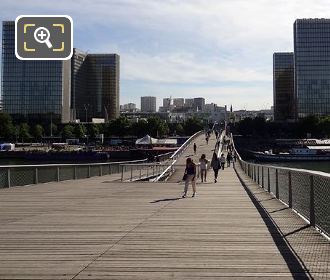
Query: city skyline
{"points": [[215, 51]]}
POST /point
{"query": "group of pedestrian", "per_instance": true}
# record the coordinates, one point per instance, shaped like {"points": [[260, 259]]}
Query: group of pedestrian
{"points": [[216, 164]]}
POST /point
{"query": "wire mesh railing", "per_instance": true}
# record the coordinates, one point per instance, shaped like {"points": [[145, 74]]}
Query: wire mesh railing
{"points": [[305, 191]]}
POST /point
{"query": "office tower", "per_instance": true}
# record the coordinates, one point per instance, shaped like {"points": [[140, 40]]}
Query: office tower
{"points": [[80, 99], [283, 86], [33, 90], [167, 102], [312, 66], [148, 104], [189, 102], [178, 102], [103, 85], [199, 103], [95, 85]]}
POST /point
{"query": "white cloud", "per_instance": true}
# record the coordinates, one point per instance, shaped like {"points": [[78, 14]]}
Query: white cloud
{"points": [[186, 42]]}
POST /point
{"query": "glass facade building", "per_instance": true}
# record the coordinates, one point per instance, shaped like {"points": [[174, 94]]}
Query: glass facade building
{"points": [[95, 86], [103, 85], [312, 66], [33, 90], [283, 86]]}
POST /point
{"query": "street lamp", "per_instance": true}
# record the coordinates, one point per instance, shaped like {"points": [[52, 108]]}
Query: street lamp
{"points": [[86, 109]]}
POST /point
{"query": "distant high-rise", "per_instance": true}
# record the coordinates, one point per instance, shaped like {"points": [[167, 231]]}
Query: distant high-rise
{"points": [[199, 103], [189, 102], [283, 86], [33, 90], [148, 104], [312, 66], [167, 102], [178, 102]]}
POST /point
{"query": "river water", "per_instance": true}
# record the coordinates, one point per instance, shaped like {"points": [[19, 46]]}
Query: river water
{"points": [[323, 166]]}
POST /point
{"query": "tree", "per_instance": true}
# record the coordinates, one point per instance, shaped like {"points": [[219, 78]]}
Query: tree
{"points": [[67, 131], [24, 132], [156, 127], [179, 129], [79, 131], [118, 127], [139, 128], [6, 126], [38, 132], [93, 130], [192, 125]]}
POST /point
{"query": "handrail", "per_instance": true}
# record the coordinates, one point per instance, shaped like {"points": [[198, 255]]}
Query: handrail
{"points": [[185, 144], [307, 192], [165, 171], [72, 164]]}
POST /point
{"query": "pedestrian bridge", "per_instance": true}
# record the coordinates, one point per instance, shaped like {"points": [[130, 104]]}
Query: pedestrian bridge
{"points": [[103, 228]]}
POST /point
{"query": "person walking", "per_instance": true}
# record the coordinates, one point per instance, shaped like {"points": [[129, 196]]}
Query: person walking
{"points": [[207, 140], [203, 166], [189, 176], [222, 161], [195, 148], [215, 164], [228, 159]]}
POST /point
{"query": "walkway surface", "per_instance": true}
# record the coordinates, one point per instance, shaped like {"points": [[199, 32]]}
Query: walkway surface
{"points": [[98, 229]]}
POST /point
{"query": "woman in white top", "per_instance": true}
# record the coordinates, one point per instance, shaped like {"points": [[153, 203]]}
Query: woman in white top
{"points": [[203, 166]]}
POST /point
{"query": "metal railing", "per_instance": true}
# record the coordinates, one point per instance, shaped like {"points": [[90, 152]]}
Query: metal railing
{"points": [[305, 191], [20, 175], [141, 172], [184, 146]]}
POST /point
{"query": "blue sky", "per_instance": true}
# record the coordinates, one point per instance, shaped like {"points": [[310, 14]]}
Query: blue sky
{"points": [[218, 49]]}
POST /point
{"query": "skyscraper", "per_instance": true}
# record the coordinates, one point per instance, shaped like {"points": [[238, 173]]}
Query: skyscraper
{"points": [[283, 86], [148, 104], [84, 88], [103, 85], [312, 66], [33, 89]]}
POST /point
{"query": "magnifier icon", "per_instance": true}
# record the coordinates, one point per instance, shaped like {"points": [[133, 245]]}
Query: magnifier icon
{"points": [[41, 35]]}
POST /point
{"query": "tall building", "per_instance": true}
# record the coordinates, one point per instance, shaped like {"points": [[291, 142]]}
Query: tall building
{"points": [[103, 85], [167, 102], [148, 104], [178, 102], [312, 66], [283, 86], [84, 88], [199, 103], [33, 89], [189, 102]]}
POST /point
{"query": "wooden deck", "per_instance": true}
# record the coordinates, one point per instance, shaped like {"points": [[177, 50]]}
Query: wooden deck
{"points": [[99, 229]]}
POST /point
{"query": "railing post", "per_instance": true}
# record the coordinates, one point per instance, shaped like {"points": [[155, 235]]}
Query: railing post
{"points": [[100, 170], [58, 173], [89, 171], [258, 180], [276, 184], [140, 172], [75, 173], [36, 175], [122, 172], [312, 204], [8, 178], [290, 190], [268, 180], [131, 172], [153, 170], [262, 176]]}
